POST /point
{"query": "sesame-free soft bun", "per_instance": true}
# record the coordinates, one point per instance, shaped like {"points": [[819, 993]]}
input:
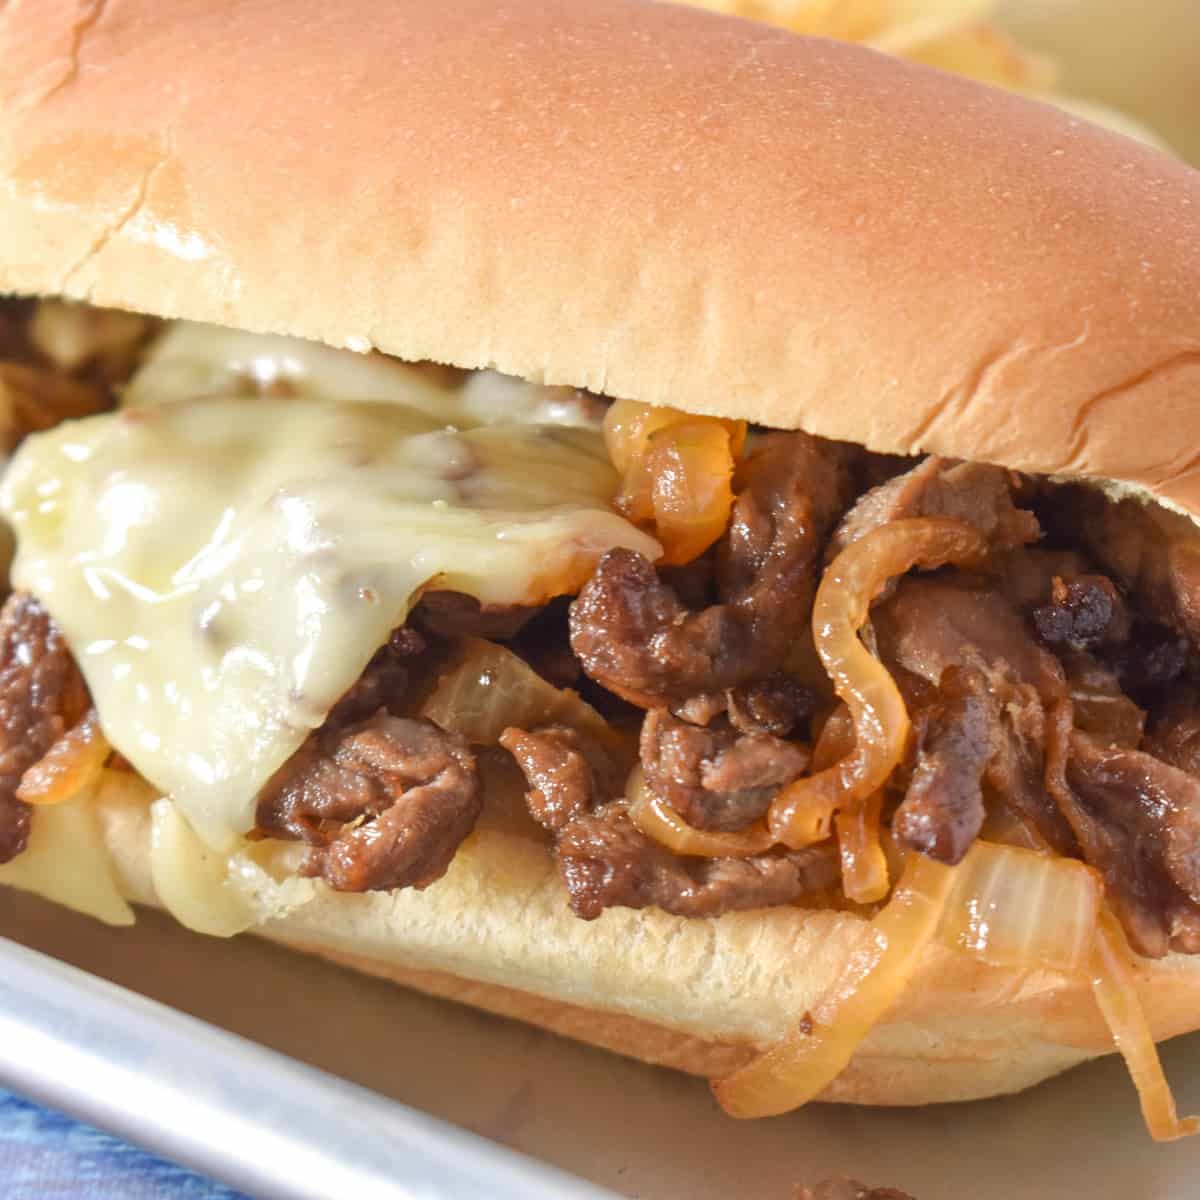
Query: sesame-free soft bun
{"points": [[647, 200], [699, 995]]}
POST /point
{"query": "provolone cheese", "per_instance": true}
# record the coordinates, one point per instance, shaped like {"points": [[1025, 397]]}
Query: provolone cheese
{"points": [[224, 571], [190, 361]]}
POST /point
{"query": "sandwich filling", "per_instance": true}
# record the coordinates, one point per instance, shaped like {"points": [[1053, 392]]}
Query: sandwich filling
{"points": [[305, 594]]}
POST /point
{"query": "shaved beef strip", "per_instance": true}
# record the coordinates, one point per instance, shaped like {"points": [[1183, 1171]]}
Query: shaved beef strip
{"points": [[1082, 613], [634, 636], [953, 630], [942, 810], [1153, 553], [385, 803], [42, 695], [777, 705], [387, 681], [568, 775], [1101, 707], [716, 778], [932, 624], [1138, 823], [606, 862], [976, 493], [1175, 732]]}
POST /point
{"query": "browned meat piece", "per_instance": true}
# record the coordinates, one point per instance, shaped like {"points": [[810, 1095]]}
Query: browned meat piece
{"points": [[942, 810], [1154, 657], [15, 345], [777, 704], [568, 774], [1083, 613], [606, 862], [385, 803], [932, 624], [1154, 554], [453, 614], [1175, 733], [634, 636], [1026, 575], [386, 683], [33, 398], [1101, 706], [715, 778], [1137, 821], [843, 1188], [976, 493], [42, 695]]}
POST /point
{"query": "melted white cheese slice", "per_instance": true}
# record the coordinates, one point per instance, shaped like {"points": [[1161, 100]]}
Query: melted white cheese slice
{"points": [[191, 360], [224, 571]]}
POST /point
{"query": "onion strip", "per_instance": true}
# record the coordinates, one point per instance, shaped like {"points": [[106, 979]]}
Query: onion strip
{"points": [[1014, 907], [807, 1060], [1116, 993], [659, 821], [487, 688], [850, 584], [70, 765], [865, 878]]}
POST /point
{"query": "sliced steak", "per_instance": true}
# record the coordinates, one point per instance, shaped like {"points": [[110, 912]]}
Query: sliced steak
{"points": [[386, 683], [1154, 554], [1083, 613], [976, 493], [942, 811], [930, 625], [1137, 821], [634, 636], [716, 778], [1174, 733], [606, 862], [385, 803], [567, 773], [42, 695]]}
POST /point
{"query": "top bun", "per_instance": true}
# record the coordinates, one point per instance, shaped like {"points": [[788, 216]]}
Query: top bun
{"points": [[649, 201]]}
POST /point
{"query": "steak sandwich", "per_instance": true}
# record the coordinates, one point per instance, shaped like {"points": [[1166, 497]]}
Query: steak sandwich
{"points": [[639, 521]]}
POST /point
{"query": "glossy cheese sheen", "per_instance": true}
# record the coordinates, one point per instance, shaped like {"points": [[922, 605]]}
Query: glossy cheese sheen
{"points": [[191, 360], [224, 571]]}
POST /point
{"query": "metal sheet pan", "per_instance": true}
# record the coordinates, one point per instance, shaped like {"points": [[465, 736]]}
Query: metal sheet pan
{"points": [[263, 1122], [634, 1129]]}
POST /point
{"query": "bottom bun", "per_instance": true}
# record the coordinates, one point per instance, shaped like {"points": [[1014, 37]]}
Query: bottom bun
{"points": [[697, 995]]}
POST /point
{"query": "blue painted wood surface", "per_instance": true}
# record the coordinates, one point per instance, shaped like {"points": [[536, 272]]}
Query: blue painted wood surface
{"points": [[47, 1156]]}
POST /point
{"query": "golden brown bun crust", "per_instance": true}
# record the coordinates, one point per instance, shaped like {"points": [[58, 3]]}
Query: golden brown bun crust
{"points": [[647, 200], [697, 995]]}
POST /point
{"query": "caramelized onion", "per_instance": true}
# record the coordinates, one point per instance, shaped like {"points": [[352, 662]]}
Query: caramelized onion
{"points": [[629, 425], [803, 811], [808, 1059], [1016, 907], [489, 688], [677, 473], [658, 820], [73, 762], [1116, 993], [865, 878]]}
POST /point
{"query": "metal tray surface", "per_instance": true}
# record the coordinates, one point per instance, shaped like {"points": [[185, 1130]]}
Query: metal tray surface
{"points": [[254, 1118], [637, 1130]]}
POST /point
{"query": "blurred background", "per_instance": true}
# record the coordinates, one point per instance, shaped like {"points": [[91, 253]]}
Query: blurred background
{"points": [[1131, 64]]}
